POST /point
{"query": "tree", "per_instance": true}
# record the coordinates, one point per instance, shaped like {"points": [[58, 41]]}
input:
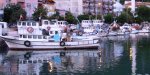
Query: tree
{"points": [[56, 16], [70, 18], [138, 19], [88, 17], [13, 13], [108, 18], [40, 13], [83, 17], [122, 1], [144, 13], [124, 17]]}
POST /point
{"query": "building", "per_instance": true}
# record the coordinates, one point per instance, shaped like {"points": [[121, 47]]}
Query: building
{"points": [[107, 6], [29, 6], [50, 6], [95, 7], [137, 4], [3, 4], [73, 6], [92, 7]]}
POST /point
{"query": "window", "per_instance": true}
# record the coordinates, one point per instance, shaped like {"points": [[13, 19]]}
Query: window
{"points": [[24, 36], [39, 37], [2, 25], [34, 37], [34, 24], [20, 36], [44, 37], [28, 23], [56, 32], [29, 36], [46, 22], [51, 32], [19, 23], [23, 23]]}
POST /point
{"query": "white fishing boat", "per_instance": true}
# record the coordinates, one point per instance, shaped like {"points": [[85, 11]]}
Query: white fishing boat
{"points": [[135, 28], [145, 28], [91, 26], [48, 35], [113, 29], [125, 29]]}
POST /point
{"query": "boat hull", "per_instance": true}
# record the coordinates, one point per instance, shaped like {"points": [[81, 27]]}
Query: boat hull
{"points": [[15, 44]]}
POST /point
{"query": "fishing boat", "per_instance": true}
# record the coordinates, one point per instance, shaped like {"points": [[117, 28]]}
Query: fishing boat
{"points": [[49, 35], [91, 26]]}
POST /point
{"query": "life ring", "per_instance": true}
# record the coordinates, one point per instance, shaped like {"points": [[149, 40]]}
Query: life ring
{"points": [[27, 43], [48, 28], [30, 29], [80, 33], [62, 43]]}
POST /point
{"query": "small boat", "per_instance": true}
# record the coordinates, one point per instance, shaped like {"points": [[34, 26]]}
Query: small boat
{"points": [[113, 30], [91, 26], [49, 35]]}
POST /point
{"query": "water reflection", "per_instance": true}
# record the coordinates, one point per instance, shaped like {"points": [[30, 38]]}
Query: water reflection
{"points": [[117, 55]]}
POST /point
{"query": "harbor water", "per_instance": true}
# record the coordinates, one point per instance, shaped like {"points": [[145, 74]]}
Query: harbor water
{"points": [[117, 55]]}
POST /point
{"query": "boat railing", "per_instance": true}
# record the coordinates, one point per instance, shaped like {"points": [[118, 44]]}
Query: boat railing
{"points": [[83, 42]]}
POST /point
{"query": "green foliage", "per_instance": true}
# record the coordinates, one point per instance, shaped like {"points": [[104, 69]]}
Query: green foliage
{"points": [[138, 20], [146, 0], [87, 17], [40, 12], [144, 13], [108, 18], [122, 1], [70, 18], [124, 17], [12, 13], [83, 17], [56, 16]]}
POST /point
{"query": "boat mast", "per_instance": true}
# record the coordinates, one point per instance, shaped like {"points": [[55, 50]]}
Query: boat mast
{"points": [[133, 7]]}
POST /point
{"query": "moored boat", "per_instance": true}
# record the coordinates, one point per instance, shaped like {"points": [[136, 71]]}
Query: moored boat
{"points": [[49, 35]]}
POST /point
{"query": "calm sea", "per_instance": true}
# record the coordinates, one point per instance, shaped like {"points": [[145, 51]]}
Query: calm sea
{"points": [[117, 55]]}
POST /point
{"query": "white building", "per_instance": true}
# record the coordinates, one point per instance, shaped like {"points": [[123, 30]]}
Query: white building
{"points": [[30, 6], [74, 6]]}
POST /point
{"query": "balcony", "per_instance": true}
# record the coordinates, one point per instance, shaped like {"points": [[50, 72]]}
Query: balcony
{"points": [[21, 0]]}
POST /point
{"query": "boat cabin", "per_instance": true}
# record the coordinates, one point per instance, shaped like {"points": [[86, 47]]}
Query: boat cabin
{"points": [[49, 30], [29, 28], [54, 26], [91, 26], [87, 23]]}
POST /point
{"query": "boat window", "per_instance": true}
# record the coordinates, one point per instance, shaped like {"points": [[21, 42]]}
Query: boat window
{"points": [[39, 37], [29, 36], [56, 32], [24, 36], [52, 36], [46, 22], [34, 24], [20, 36], [23, 23], [19, 23], [44, 37], [28, 23], [2, 25], [52, 23], [34, 37]]}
